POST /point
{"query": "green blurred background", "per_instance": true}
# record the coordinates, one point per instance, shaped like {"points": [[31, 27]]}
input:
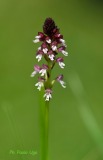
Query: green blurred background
{"points": [[76, 113]]}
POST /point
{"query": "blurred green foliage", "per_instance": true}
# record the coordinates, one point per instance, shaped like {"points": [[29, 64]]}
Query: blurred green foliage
{"points": [[76, 113]]}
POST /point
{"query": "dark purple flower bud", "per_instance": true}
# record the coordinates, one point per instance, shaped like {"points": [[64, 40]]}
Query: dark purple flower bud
{"points": [[58, 36], [49, 27], [55, 31]]}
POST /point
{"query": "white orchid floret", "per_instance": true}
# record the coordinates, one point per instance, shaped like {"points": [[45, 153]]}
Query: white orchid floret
{"points": [[33, 73], [54, 45], [39, 54], [45, 50], [62, 49], [36, 40], [43, 69], [61, 64], [51, 56], [48, 41], [44, 47], [54, 48], [39, 57], [60, 80], [39, 85], [47, 94], [63, 83], [65, 53], [62, 40], [37, 37], [43, 72]]}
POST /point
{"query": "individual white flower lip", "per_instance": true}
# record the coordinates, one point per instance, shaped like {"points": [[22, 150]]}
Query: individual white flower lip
{"points": [[48, 40], [43, 69], [33, 73], [62, 49], [39, 57], [39, 37], [63, 42], [45, 50], [60, 80], [54, 46], [65, 53], [39, 54], [47, 94], [63, 84], [36, 40], [43, 72], [40, 83], [51, 55], [60, 62]]}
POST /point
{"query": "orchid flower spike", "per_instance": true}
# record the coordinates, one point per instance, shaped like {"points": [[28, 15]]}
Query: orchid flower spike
{"points": [[52, 43]]}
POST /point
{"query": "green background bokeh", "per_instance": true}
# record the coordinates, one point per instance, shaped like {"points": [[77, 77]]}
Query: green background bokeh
{"points": [[76, 113]]}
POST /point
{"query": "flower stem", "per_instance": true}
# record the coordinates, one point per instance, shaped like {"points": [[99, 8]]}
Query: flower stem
{"points": [[44, 127]]}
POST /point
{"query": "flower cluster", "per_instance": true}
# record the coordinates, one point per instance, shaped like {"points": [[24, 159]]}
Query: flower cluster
{"points": [[52, 43]]}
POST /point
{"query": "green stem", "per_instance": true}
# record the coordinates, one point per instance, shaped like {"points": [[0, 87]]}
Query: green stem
{"points": [[44, 124]]}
